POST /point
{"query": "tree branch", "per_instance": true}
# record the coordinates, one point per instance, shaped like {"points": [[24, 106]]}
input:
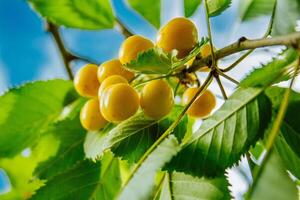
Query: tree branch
{"points": [[124, 30], [242, 44], [221, 86], [214, 61], [66, 55]]}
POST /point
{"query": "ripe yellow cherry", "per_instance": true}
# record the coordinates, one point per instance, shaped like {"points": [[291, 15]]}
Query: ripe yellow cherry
{"points": [[202, 106], [205, 50], [132, 46], [86, 82], [90, 116], [119, 102], [111, 80], [113, 67], [180, 34], [157, 99]]}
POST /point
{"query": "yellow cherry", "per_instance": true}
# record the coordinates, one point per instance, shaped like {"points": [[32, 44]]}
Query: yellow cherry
{"points": [[113, 67], [202, 106], [90, 116], [111, 80], [180, 34], [132, 46], [86, 82], [157, 99], [119, 102]]}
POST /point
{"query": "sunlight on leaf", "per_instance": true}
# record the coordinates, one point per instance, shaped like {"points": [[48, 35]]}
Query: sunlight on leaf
{"points": [[226, 135], [149, 9], [250, 9], [180, 185], [142, 183], [92, 14], [132, 137], [20, 169], [216, 7], [274, 183], [190, 6], [28, 110], [279, 69]]}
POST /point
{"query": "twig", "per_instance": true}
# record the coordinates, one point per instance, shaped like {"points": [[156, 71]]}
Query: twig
{"points": [[197, 80], [228, 77], [220, 86], [292, 39], [270, 27], [237, 61], [242, 44], [268, 32], [134, 78], [155, 78], [124, 30], [210, 35], [159, 186], [66, 56], [176, 88]]}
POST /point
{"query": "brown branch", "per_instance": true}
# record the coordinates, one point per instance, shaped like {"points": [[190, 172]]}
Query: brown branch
{"points": [[242, 44], [124, 30], [66, 56]]}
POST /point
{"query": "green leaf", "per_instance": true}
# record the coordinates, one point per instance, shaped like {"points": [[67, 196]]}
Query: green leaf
{"points": [[274, 182], [290, 127], [132, 137], [257, 150], [287, 14], [190, 6], [250, 9], [26, 111], [280, 69], [156, 61], [226, 135], [149, 9], [216, 7], [71, 136], [110, 179], [19, 169], [153, 61], [183, 186], [288, 156], [287, 143], [92, 14], [144, 178], [78, 182]]}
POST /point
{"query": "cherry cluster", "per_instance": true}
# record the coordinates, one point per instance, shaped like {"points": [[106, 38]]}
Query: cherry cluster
{"points": [[114, 99]]}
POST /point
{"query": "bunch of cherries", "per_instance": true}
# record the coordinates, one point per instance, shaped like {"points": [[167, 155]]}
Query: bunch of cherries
{"points": [[109, 87]]}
